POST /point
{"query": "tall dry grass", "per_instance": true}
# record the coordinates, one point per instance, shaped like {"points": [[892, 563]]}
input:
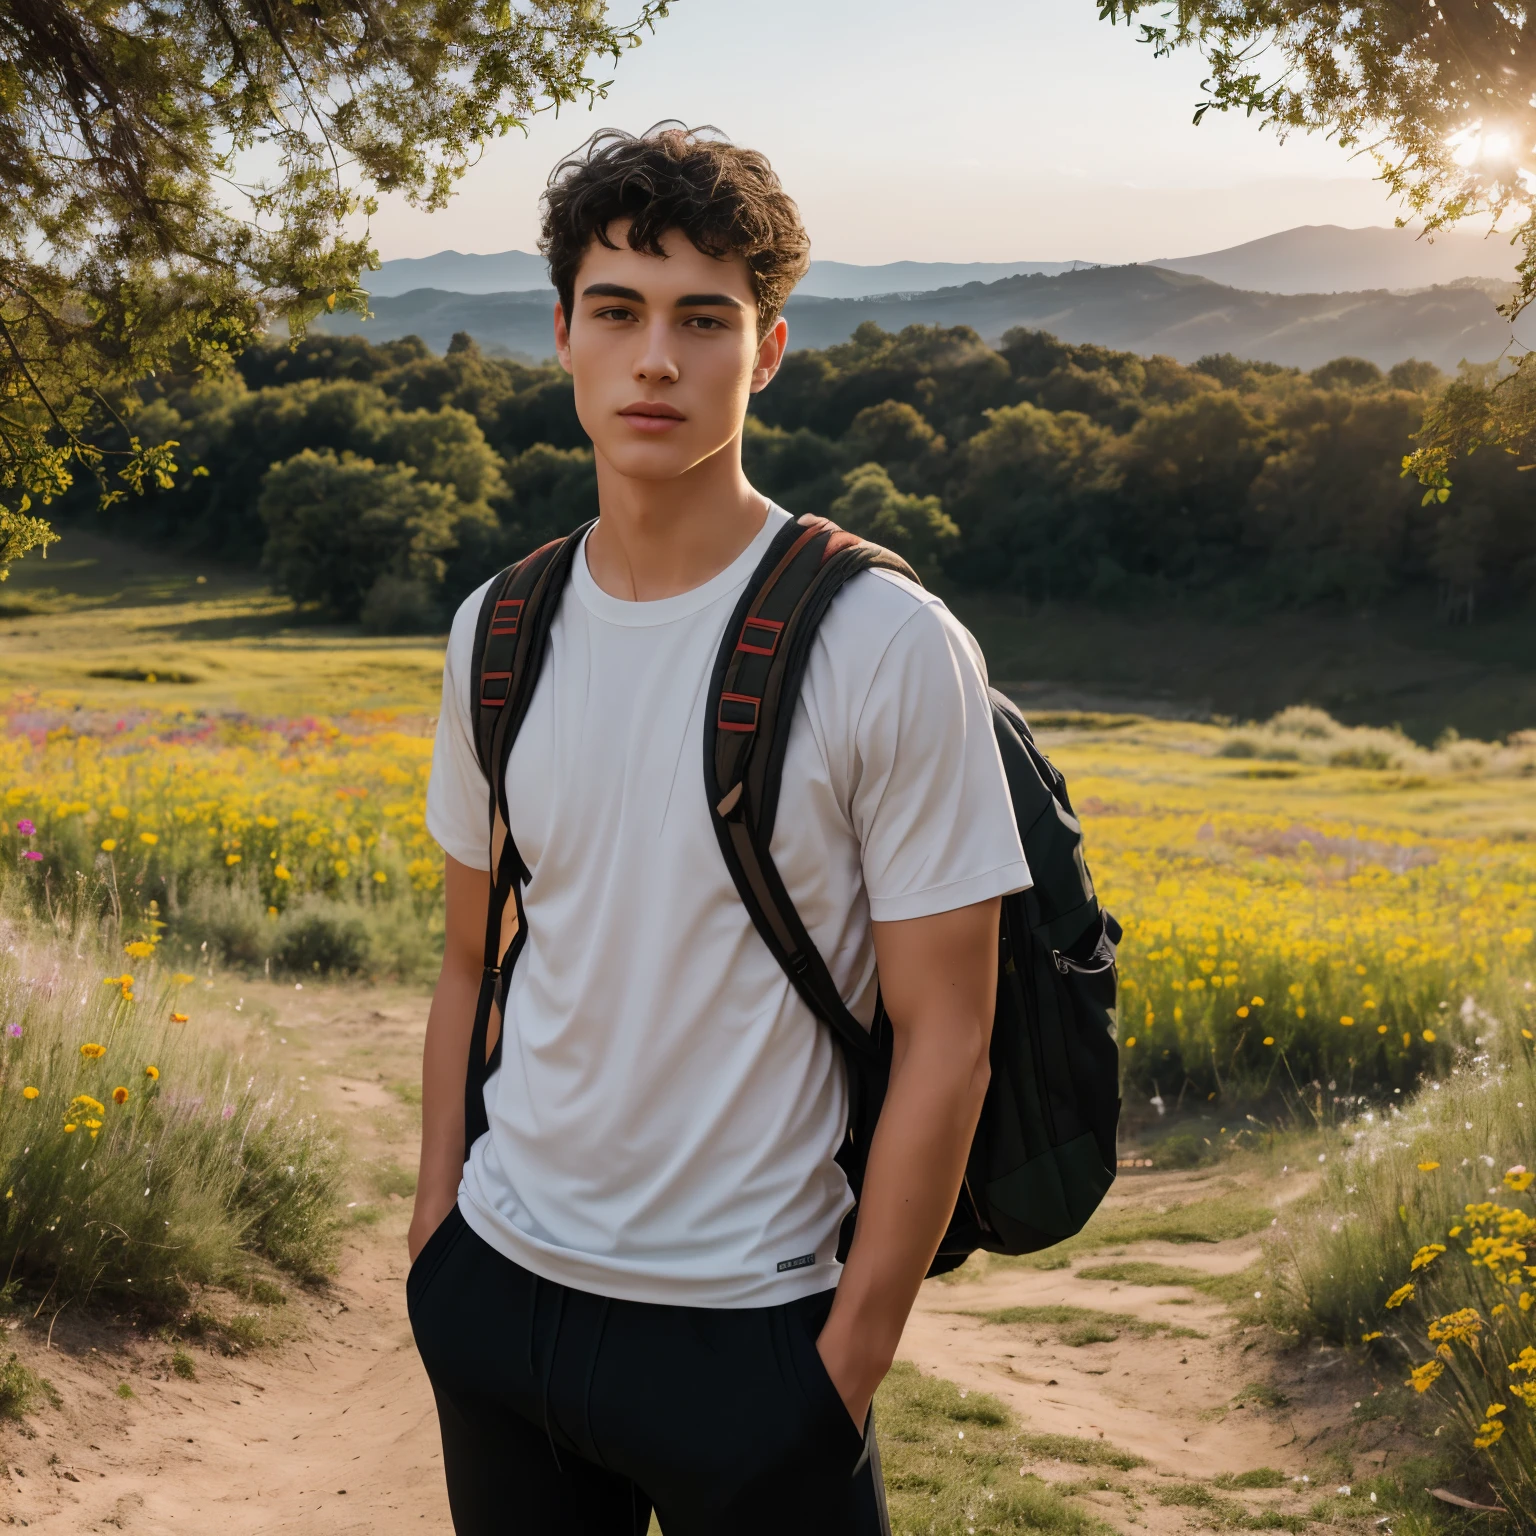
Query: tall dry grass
{"points": [[136, 1160], [1421, 1247]]}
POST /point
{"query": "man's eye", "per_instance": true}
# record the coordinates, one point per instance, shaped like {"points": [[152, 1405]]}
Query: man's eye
{"points": [[705, 323], [615, 314]]}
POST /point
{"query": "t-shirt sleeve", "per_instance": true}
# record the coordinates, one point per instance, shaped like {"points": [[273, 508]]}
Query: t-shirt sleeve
{"points": [[458, 797], [930, 802]]}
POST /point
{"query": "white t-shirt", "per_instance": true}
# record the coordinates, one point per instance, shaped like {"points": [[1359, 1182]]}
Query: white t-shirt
{"points": [[664, 1119]]}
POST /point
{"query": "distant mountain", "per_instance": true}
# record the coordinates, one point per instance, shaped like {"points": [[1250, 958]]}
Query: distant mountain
{"points": [[1314, 258], [1325, 258], [844, 280], [505, 272], [1139, 309], [513, 271]]}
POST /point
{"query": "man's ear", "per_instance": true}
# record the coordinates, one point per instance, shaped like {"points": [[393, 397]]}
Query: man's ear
{"points": [[563, 339], [770, 353]]}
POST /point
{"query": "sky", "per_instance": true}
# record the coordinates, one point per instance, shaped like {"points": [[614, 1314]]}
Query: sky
{"points": [[934, 130]]}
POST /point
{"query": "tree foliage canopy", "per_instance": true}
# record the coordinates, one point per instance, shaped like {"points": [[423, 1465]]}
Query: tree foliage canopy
{"points": [[1442, 93], [134, 236], [1041, 470]]}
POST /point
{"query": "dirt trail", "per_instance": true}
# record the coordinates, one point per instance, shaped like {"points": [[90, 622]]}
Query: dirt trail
{"points": [[334, 1431]]}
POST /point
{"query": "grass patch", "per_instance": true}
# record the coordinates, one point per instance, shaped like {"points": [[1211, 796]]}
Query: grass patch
{"points": [[1082, 1325], [139, 1162], [1216, 1220], [1259, 1477], [951, 1462], [183, 1365], [1233, 1289], [124, 1390], [1262, 1395], [1219, 1513], [22, 1389], [1080, 1452], [392, 1179]]}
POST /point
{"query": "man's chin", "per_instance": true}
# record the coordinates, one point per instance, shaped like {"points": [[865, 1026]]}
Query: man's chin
{"points": [[653, 461]]}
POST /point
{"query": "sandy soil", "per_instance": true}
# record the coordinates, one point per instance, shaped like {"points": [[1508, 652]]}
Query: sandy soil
{"points": [[333, 1432]]}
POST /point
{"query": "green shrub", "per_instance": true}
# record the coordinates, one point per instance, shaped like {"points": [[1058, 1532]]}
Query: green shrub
{"points": [[322, 936], [200, 1165], [21, 1389], [225, 921]]}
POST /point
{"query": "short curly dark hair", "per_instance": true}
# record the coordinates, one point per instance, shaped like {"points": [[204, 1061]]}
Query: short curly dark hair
{"points": [[725, 199]]}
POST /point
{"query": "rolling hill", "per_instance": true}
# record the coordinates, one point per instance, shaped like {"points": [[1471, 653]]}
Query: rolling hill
{"points": [[1142, 309], [1326, 258]]}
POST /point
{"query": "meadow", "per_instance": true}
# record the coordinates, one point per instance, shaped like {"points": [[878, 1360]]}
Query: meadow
{"points": [[1330, 932]]}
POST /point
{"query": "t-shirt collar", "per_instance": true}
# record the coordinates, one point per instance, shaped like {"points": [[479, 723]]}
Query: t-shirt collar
{"points": [[618, 610]]}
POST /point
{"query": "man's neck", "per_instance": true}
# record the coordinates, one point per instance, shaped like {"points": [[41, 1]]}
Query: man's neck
{"points": [[657, 538]]}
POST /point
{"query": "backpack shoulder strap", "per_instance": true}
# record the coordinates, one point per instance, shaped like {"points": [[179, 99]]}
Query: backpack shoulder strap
{"points": [[751, 705], [511, 638]]}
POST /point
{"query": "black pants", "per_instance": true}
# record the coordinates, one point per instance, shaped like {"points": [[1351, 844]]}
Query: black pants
{"points": [[575, 1415]]}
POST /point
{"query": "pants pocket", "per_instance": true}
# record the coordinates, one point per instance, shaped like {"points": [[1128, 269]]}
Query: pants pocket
{"points": [[433, 1252], [806, 1320]]}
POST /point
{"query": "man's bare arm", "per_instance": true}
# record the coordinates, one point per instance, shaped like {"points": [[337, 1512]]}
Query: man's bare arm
{"points": [[938, 977], [445, 1055]]}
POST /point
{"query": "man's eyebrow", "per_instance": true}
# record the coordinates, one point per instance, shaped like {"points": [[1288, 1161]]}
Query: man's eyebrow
{"points": [[612, 291], [708, 301]]}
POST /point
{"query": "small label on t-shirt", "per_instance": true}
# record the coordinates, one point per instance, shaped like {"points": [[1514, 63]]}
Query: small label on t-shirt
{"points": [[803, 1262]]}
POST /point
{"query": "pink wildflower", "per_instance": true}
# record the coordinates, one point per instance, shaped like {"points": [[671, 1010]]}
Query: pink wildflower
{"points": [[26, 827], [33, 854]]}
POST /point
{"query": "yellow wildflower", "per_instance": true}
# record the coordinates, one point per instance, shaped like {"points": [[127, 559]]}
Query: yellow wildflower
{"points": [[1519, 1179], [1460, 1327], [68, 1127], [1365, 1338], [149, 838], [93, 1052], [1423, 1377], [1427, 1255], [119, 1095], [139, 949], [29, 1092], [109, 845], [1429, 1037], [178, 1018], [181, 978], [1400, 1295], [1428, 1167]]}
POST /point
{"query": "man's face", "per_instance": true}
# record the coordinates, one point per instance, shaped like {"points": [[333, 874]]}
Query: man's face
{"points": [[664, 354]]}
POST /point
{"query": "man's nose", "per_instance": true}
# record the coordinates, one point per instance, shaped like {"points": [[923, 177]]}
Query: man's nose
{"points": [[657, 362]]}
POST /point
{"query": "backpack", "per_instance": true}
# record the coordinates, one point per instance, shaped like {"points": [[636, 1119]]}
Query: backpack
{"points": [[1043, 1155]]}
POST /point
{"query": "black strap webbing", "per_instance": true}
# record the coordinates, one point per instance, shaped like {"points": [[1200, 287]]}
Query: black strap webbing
{"points": [[511, 637]]}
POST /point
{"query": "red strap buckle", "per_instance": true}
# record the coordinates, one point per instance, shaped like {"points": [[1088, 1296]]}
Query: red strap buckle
{"points": [[760, 636], [506, 623], [489, 698], [737, 712]]}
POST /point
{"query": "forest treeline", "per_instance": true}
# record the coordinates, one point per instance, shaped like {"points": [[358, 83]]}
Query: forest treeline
{"points": [[384, 482]]}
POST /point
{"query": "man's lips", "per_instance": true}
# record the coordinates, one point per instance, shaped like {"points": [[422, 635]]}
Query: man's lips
{"points": [[652, 416]]}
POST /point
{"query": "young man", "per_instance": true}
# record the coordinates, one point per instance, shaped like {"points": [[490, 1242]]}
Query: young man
{"points": [[629, 1296]]}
